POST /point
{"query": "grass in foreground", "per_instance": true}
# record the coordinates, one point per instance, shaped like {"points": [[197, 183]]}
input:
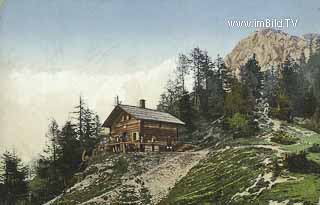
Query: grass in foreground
{"points": [[305, 189], [220, 177]]}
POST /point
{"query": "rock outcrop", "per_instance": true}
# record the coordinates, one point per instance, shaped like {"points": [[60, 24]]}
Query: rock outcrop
{"points": [[271, 48]]}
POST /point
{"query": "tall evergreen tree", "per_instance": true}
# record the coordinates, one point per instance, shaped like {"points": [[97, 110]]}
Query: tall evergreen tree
{"points": [[48, 165], [236, 101], [313, 69], [252, 80], [225, 76], [85, 126], [70, 158], [186, 111], [182, 71], [271, 85], [202, 68], [207, 67], [14, 178], [170, 98], [196, 63], [292, 85], [252, 77]]}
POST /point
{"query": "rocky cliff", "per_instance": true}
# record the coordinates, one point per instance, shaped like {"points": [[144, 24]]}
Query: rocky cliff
{"points": [[271, 48]]}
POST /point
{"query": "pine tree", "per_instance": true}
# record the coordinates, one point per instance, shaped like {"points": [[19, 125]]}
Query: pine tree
{"points": [[80, 124], [292, 84], [85, 126], [196, 60], [225, 75], [313, 67], [252, 82], [182, 71], [48, 165], [309, 104], [235, 101], [186, 111], [70, 152], [90, 130], [251, 76], [14, 178], [207, 67], [169, 100], [202, 68], [271, 85]]}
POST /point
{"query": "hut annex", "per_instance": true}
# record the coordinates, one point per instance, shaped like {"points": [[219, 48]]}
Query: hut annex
{"points": [[137, 128]]}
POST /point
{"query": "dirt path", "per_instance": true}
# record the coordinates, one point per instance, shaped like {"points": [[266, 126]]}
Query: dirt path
{"points": [[159, 180]]}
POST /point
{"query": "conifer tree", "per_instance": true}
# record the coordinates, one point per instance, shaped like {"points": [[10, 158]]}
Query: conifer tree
{"points": [[182, 71], [186, 111], [196, 60], [251, 76], [14, 178], [85, 126], [225, 75], [70, 152]]}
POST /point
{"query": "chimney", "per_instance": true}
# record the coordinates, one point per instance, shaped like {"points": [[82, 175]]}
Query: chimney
{"points": [[143, 103]]}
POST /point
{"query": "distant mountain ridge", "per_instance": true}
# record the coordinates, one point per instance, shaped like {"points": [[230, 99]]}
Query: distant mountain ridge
{"points": [[271, 48]]}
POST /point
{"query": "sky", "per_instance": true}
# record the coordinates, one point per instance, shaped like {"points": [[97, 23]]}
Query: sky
{"points": [[53, 51]]}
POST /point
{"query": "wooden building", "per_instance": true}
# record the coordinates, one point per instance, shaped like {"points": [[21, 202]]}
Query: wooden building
{"points": [[135, 127]]}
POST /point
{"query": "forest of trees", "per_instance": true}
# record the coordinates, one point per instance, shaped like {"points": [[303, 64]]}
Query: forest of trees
{"points": [[288, 91], [61, 158]]}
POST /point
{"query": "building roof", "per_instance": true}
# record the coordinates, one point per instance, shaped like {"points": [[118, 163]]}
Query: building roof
{"points": [[142, 114]]}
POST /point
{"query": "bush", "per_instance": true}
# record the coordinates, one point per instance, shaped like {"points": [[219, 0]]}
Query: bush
{"points": [[298, 162], [315, 148], [238, 121], [283, 110], [242, 125], [284, 138], [121, 165], [312, 125]]}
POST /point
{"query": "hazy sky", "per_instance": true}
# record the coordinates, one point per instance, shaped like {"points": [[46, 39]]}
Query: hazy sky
{"points": [[53, 50]]}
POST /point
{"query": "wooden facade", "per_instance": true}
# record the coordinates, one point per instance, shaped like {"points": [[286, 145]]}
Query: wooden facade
{"points": [[139, 125]]}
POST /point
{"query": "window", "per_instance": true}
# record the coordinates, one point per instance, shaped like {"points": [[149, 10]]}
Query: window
{"points": [[135, 136], [153, 139]]}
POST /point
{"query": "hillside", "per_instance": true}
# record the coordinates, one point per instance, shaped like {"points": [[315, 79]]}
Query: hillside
{"points": [[140, 178], [244, 172], [234, 172], [271, 48]]}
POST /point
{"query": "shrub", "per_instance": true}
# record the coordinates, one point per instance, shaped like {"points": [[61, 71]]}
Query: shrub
{"points": [[283, 110], [312, 125], [238, 121], [315, 148], [121, 165], [242, 125], [298, 162], [284, 138], [276, 168]]}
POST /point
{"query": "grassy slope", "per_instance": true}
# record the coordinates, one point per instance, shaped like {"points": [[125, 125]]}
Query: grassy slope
{"points": [[217, 179], [106, 175], [103, 184], [306, 189]]}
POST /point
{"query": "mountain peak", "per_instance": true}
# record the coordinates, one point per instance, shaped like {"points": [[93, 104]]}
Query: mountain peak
{"points": [[271, 47]]}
